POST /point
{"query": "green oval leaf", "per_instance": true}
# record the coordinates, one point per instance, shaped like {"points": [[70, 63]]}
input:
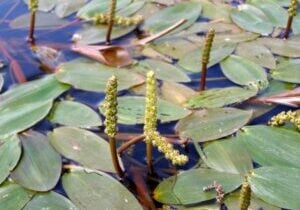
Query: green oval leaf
{"points": [[229, 156], [40, 166], [211, 124], [244, 72], [50, 201], [252, 19], [92, 76], [10, 153], [191, 60], [270, 146], [215, 11], [287, 71], [85, 147], [75, 114], [131, 110], [163, 71], [170, 15], [91, 190], [219, 97], [279, 186], [68, 7], [187, 187], [13, 196]]}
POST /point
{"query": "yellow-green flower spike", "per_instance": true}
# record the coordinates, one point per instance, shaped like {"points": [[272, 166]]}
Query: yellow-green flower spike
{"points": [[245, 196], [33, 5], [111, 104], [293, 8], [118, 20], [207, 46], [284, 117], [112, 11], [150, 119]]}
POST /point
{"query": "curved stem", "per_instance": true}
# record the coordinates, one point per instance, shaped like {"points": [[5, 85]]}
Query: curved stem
{"points": [[114, 156], [288, 27]]}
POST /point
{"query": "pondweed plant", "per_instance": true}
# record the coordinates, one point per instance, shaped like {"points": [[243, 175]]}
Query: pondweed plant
{"points": [[245, 196], [206, 56], [292, 13], [32, 6], [152, 137], [118, 20], [111, 120]]}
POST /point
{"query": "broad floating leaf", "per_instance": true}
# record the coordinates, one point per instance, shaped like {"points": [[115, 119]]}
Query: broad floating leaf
{"points": [[13, 196], [229, 156], [50, 201], [171, 15], [252, 19], [163, 71], [10, 153], [40, 166], [68, 7], [288, 48], [256, 53], [215, 11], [1, 81], [232, 202], [270, 146], [93, 76], [279, 186], [211, 124], [75, 114], [83, 146], [91, 190], [187, 187], [287, 71], [219, 97], [244, 72], [131, 110], [191, 61]]}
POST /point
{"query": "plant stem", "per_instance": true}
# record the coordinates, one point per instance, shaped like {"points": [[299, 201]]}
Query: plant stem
{"points": [[149, 150], [114, 156], [31, 38], [203, 77], [288, 27], [132, 141], [111, 20]]}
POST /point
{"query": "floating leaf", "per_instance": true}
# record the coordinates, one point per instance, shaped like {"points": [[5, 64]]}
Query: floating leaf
{"points": [[233, 200], [75, 114], [45, 5], [287, 71], [40, 166], [93, 76], [219, 97], [83, 146], [13, 196], [10, 153], [68, 7], [191, 61], [296, 25], [44, 21], [244, 72], [131, 110], [211, 124], [91, 190], [279, 186], [171, 15], [216, 11], [252, 19], [176, 93], [277, 15], [256, 53], [288, 48], [187, 187], [200, 207], [163, 71], [270, 146], [1, 81], [50, 201], [229, 156]]}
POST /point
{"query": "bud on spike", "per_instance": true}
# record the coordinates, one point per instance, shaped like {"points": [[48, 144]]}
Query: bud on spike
{"points": [[245, 196]]}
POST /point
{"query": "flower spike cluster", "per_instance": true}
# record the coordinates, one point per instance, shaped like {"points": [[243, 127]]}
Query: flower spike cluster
{"points": [[118, 20], [150, 120], [33, 5], [293, 8], [283, 117], [111, 104], [245, 196], [207, 46]]}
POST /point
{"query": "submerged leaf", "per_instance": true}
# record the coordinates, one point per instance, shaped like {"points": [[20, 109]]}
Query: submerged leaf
{"points": [[211, 124], [97, 190], [40, 166], [187, 187]]}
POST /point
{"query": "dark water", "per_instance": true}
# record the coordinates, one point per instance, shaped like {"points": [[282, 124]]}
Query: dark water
{"points": [[15, 43]]}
